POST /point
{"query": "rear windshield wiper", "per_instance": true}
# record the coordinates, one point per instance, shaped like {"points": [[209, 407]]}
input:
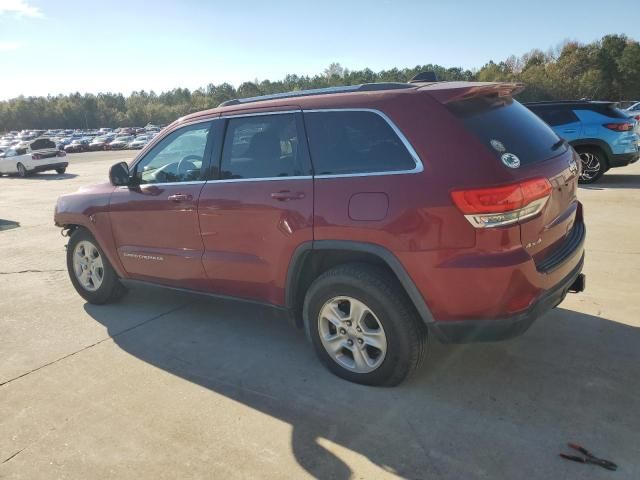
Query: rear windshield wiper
{"points": [[558, 144]]}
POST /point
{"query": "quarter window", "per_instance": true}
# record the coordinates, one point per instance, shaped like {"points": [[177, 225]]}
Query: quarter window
{"points": [[347, 142], [178, 157], [264, 146]]}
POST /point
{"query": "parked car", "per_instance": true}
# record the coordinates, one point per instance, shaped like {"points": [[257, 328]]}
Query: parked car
{"points": [[77, 146], [120, 143], [38, 156], [372, 215], [139, 142], [633, 106], [100, 143], [603, 135]]}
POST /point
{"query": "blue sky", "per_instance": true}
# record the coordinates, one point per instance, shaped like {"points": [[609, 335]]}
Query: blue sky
{"points": [[57, 46]]}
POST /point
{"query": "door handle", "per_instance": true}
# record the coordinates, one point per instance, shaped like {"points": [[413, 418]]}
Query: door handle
{"points": [[569, 130], [180, 197], [287, 195]]}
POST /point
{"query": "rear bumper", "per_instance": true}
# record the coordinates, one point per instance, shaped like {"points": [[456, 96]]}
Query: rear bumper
{"points": [[49, 166], [468, 331], [623, 159]]}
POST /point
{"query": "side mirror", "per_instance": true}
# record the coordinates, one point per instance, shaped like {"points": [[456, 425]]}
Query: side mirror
{"points": [[119, 174]]}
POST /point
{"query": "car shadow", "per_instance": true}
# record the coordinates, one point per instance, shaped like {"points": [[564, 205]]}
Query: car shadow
{"points": [[43, 176], [472, 411], [615, 180]]}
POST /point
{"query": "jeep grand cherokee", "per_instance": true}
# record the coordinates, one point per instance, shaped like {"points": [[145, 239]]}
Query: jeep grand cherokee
{"points": [[373, 215]]}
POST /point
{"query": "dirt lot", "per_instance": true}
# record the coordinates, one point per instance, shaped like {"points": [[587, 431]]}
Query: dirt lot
{"points": [[168, 385]]}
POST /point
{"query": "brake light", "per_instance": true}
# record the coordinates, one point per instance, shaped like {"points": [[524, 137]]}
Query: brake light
{"points": [[61, 153], [36, 156], [619, 127], [505, 205]]}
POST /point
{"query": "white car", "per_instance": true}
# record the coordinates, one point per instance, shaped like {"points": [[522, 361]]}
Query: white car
{"points": [[38, 156]]}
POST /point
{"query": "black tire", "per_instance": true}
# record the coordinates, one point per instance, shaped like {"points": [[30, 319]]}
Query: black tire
{"points": [[22, 170], [406, 334], [60, 171], [111, 289], [590, 157]]}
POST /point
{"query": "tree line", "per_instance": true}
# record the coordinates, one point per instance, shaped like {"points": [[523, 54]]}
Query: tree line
{"points": [[607, 69]]}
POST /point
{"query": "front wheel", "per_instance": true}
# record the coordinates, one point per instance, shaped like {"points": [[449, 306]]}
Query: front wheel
{"points": [[89, 270], [60, 171], [593, 165], [362, 325]]}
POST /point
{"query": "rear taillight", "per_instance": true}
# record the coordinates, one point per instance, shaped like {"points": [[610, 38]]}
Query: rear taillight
{"points": [[61, 153], [36, 156], [619, 127], [500, 206]]}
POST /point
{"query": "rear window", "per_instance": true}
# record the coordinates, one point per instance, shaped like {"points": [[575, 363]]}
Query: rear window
{"points": [[556, 116], [502, 121], [348, 142], [42, 144]]}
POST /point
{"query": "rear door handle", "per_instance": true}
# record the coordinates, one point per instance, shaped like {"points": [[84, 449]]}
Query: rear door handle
{"points": [[180, 197], [287, 195]]}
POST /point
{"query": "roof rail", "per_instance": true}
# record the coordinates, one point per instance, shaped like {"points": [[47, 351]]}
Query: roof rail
{"points": [[365, 87], [569, 102]]}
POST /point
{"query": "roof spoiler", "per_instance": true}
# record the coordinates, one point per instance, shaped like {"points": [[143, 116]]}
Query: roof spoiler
{"points": [[425, 77], [448, 92]]}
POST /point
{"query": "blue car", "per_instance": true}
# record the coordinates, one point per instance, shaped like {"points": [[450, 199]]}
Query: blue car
{"points": [[603, 135]]}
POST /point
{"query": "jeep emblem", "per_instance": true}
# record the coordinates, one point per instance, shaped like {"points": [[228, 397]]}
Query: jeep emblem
{"points": [[510, 160]]}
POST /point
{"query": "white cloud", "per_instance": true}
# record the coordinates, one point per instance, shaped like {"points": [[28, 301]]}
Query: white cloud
{"points": [[8, 46], [19, 7]]}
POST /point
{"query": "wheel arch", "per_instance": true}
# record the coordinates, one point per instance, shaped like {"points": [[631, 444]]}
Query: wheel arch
{"points": [[104, 239], [311, 259]]}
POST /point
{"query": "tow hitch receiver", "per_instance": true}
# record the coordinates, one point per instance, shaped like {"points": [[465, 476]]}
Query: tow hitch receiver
{"points": [[578, 284]]}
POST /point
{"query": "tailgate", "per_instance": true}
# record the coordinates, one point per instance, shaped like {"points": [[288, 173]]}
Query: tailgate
{"points": [[523, 148], [544, 235]]}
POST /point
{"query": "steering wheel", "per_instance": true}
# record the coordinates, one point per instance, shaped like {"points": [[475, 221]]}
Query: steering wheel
{"points": [[186, 164]]}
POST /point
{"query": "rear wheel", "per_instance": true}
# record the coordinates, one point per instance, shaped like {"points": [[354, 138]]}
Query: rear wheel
{"points": [[594, 165], [60, 171], [89, 270], [22, 171], [362, 325]]}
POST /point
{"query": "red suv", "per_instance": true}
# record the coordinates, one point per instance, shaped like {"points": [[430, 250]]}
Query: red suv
{"points": [[372, 215]]}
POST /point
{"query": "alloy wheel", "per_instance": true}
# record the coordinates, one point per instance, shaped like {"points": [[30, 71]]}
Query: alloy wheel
{"points": [[87, 265], [591, 166], [352, 334]]}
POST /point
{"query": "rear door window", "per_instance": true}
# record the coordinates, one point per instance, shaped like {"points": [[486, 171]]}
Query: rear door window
{"points": [[508, 122], [351, 142]]}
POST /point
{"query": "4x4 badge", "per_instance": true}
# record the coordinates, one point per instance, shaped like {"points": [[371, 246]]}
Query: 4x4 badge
{"points": [[573, 166], [510, 160]]}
